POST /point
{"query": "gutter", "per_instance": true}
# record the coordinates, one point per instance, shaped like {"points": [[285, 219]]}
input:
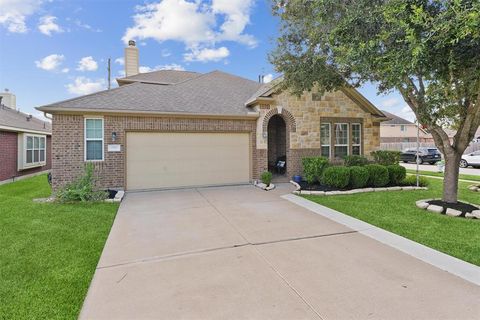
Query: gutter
{"points": [[60, 110]]}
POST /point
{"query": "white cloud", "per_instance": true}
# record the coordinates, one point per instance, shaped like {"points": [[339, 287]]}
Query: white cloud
{"points": [[86, 26], [87, 64], [173, 66], [40, 115], [47, 25], [267, 78], [13, 14], [199, 25], [51, 62], [83, 85], [120, 61], [407, 113], [65, 70], [207, 54], [390, 102]]}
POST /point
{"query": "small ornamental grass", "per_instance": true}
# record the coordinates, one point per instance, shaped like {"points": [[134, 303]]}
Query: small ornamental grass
{"points": [[266, 177], [82, 189]]}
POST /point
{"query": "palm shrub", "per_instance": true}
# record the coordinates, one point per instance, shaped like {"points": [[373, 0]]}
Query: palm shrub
{"points": [[378, 175], [355, 160], [82, 189], [396, 173], [336, 177], [386, 157], [313, 168], [266, 177], [358, 177]]}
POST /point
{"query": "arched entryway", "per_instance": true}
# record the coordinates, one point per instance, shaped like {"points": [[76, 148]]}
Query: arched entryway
{"points": [[277, 144]]}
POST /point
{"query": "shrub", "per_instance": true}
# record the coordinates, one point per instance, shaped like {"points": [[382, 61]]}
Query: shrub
{"points": [[386, 157], [412, 181], [396, 173], [266, 177], [337, 177], [377, 175], [355, 160], [313, 168], [358, 177], [82, 189]]}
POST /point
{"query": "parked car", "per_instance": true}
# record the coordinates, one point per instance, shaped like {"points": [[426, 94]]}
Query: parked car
{"points": [[430, 155], [470, 159]]}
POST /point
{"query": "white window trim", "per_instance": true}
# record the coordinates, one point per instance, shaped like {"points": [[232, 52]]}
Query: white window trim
{"points": [[93, 139], [348, 138], [329, 145], [360, 136], [39, 163]]}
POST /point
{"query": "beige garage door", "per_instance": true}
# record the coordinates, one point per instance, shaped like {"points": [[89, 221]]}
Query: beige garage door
{"points": [[169, 160]]}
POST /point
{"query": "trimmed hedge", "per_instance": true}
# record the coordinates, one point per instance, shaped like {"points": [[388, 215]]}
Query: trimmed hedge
{"points": [[378, 175], [355, 160], [412, 181], [386, 157], [336, 177], [358, 177], [313, 168], [396, 173]]}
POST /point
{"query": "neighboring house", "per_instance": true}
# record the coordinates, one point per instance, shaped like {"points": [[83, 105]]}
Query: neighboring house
{"points": [[398, 129], [168, 129], [25, 142]]}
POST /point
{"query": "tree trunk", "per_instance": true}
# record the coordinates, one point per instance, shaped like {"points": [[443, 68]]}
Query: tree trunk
{"points": [[450, 181]]}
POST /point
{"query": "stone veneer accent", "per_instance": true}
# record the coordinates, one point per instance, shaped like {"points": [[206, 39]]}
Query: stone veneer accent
{"points": [[303, 115], [68, 143]]}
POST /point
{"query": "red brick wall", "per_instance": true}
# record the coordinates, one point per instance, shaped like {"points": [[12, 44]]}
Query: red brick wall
{"points": [[68, 143], [9, 153]]}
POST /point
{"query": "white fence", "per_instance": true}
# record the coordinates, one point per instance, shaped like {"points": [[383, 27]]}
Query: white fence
{"points": [[400, 146]]}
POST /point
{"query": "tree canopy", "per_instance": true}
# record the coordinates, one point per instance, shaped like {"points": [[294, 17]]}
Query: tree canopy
{"points": [[427, 50]]}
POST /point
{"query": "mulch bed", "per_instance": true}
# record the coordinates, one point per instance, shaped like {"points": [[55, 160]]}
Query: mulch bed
{"points": [[317, 187], [460, 206]]}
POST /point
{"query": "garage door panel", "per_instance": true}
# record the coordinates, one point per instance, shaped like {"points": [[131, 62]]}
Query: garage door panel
{"points": [[163, 160]]}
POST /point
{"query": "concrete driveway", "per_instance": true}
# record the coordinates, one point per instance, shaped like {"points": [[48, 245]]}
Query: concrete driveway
{"points": [[243, 253]]}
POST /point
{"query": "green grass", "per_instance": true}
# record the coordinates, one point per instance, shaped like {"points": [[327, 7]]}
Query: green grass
{"points": [[395, 211], [440, 174], [48, 252]]}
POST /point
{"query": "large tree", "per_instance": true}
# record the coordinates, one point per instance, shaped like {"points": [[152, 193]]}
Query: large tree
{"points": [[427, 50]]}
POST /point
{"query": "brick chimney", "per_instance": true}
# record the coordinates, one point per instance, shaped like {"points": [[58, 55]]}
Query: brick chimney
{"points": [[131, 59]]}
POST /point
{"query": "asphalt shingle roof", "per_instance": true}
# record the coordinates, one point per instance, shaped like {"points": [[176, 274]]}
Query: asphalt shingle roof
{"points": [[395, 119], [16, 119], [215, 93], [163, 76]]}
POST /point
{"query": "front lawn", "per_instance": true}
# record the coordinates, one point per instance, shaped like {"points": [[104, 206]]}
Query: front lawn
{"points": [[395, 211], [440, 174], [48, 252]]}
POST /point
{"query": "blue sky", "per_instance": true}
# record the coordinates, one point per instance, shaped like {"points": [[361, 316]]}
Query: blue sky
{"points": [[52, 50]]}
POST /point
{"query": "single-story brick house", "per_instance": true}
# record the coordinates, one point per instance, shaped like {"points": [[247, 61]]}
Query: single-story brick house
{"points": [[167, 129], [25, 144]]}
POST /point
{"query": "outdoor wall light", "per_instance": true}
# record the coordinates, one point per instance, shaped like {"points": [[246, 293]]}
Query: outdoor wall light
{"points": [[114, 136]]}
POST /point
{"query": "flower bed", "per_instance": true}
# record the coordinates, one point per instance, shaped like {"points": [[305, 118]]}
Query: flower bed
{"points": [[459, 209], [358, 174]]}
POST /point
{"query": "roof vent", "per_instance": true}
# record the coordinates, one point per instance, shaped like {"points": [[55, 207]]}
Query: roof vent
{"points": [[131, 43], [29, 117]]}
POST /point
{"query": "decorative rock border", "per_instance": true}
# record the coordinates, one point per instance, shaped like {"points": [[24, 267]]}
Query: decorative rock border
{"points": [[474, 187], [263, 186], [353, 191], [118, 197], [423, 204]]}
